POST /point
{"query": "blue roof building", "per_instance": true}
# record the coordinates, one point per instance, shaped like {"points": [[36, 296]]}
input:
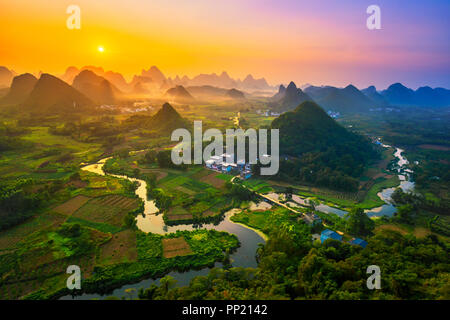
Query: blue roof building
{"points": [[329, 234], [359, 242]]}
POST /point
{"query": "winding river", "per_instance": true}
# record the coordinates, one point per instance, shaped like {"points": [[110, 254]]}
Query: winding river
{"points": [[244, 256], [153, 222], [406, 184], [387, 209]]}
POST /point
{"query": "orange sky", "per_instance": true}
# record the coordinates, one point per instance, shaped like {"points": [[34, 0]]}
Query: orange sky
{"points": [[190, 37]]}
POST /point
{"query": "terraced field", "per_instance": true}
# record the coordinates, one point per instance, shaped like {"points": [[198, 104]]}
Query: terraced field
{"points": [[175, 247], [72, 205], [9, 238], [211, 177], [121, 248], [108, 209]]}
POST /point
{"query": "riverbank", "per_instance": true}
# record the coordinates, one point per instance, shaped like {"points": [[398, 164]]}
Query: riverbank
{"points": [[229, 215], [378, 202], [153, 223]]}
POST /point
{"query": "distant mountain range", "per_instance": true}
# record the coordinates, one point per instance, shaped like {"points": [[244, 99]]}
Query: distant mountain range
{"points": [[345, 100], [288, 98], [107, 87], [352, 100], [372, 93], [222, 81], [399, 95], [153, 78], [210, 92], [113, 77]]}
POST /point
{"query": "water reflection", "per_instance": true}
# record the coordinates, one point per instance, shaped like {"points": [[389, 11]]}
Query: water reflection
{"points": [[153, 222]]}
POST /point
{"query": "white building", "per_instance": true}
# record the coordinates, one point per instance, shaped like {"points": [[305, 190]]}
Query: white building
{"points": [[209, 163]]}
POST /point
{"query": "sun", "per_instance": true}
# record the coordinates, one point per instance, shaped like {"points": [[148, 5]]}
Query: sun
{"points": [[101, 49]]}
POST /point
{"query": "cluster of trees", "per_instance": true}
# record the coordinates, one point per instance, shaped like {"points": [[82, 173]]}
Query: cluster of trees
{"points": [[415, 127], [238, 192], [163, 199], [291, 266], [415, 201], [358, 223], [9, 143], [162, 158], [77, 239], [429, 171], [10, 136], [315, 168], [106, 129], [16, 204], [319, 151]]}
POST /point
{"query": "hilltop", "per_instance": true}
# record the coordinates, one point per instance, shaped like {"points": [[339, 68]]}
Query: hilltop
{"points": [[21, 87], [288, 98], [399, 95], [96, 88], [51, 94], [6, 76], [180, 94], [322, 152], [344, 100], [164, 121]]}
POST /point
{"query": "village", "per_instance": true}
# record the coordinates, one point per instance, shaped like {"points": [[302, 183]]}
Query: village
{"points": [[225, 163]]}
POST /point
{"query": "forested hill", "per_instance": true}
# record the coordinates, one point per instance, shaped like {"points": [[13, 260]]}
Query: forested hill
{"points": [[321, 151], [163, 122]]}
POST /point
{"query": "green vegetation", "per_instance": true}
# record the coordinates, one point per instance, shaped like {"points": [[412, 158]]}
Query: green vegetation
{"points": [[371, 198], [292, 267], [53, 214], [103, 227], [207, 247], [321, 151], [258, 185], [358, 223]]}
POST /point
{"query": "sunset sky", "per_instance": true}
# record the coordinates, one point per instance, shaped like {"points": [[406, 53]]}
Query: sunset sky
{"points": [[317, 42]]}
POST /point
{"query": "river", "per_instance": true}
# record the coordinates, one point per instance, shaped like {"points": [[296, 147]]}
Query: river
{"points": [[244, 256], [387, 209], [153, 222]]}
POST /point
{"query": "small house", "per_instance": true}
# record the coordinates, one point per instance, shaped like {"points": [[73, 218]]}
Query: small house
{"points": [[240, 163], [210, 163], [226, 167], [359, 242], [329, 234]]}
